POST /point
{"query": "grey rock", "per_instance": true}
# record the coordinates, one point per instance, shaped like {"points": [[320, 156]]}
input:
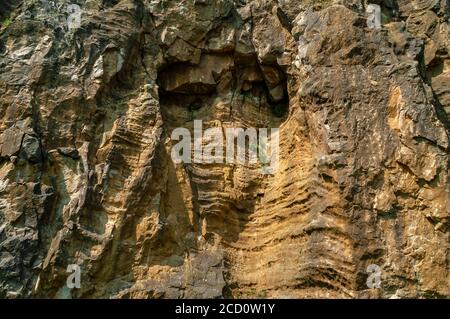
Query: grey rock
{"points": [[31, 149]]}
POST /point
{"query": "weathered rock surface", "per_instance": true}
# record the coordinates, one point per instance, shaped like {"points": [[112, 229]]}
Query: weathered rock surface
{"points": [[86, 175]]}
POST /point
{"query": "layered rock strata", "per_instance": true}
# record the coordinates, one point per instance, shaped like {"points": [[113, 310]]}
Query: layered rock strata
{"points": [[87, 177]]}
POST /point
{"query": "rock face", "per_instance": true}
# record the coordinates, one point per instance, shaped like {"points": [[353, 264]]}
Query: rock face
{"points": [[86, 176]]}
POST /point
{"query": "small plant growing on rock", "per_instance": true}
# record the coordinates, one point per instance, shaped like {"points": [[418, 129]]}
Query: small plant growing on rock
{"points": [[6, 22]]}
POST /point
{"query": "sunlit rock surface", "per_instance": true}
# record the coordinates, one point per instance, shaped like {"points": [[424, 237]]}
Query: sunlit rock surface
{"points": [[86, 176]]}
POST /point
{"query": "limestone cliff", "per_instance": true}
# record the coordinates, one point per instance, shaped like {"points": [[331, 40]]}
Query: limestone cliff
{"points": [[86, 176]]}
